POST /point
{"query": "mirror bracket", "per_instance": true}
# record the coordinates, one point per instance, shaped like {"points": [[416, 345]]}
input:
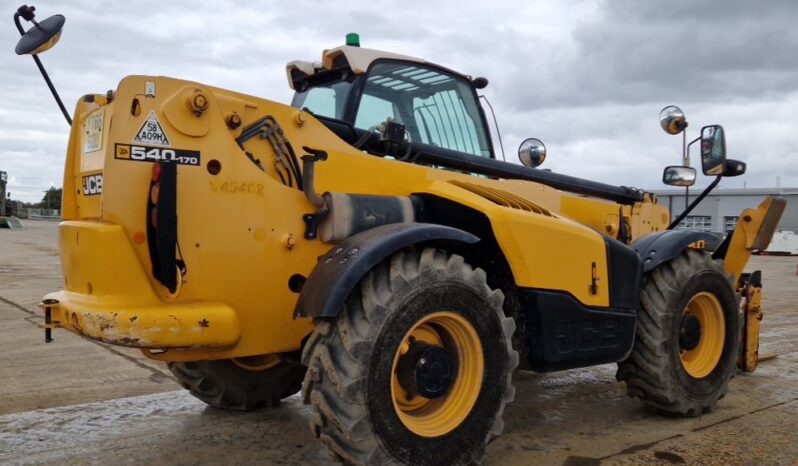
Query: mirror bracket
{"points": [[27, 13]]}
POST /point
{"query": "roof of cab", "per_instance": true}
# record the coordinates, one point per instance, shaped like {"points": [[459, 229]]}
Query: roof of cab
{"points": [[358, 59]]}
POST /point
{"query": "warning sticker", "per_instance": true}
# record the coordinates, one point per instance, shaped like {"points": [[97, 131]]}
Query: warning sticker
{"points": [[152, 132]]}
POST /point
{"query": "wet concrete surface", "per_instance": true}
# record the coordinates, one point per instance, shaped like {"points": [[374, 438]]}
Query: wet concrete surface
{"points": [[72, 369], [74, 401]]}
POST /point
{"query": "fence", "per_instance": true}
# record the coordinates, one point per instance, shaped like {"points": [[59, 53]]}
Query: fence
{"points": [[44, 214]]}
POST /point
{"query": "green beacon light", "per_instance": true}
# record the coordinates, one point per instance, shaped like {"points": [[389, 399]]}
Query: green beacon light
{"points": [[353, 39]]}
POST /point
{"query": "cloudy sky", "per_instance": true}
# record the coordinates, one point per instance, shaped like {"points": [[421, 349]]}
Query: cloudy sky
{"points": [[587, 77]]}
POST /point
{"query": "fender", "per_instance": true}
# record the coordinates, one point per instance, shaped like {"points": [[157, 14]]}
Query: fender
{"points": [[657, 248], [338, 272]]}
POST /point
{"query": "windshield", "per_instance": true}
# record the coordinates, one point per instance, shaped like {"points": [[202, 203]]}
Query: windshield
{"points": [[436, 107]]}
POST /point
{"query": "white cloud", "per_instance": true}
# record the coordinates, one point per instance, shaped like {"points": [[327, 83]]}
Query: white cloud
{"points": [[587, 77]]}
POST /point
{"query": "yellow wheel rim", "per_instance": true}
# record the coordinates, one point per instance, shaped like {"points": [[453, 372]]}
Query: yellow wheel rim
{"points": [[701, 361], [257, 363], [435, 417]]}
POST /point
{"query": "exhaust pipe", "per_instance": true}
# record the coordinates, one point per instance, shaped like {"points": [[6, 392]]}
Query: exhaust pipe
{"points": [[342, 215]]}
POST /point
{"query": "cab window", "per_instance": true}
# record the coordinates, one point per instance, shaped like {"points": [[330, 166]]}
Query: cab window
{"points": [[328, 100], [373, 111], [436, 108]]}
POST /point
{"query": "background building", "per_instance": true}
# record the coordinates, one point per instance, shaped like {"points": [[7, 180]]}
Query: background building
{"points": [[719, 211], [3, 183]]}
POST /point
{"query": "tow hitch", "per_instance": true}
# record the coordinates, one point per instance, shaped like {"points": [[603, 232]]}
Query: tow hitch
{"points": [[48, 324]]}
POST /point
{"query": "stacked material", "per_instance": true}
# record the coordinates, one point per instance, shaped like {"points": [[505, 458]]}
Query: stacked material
{"points": [[783, 242]]}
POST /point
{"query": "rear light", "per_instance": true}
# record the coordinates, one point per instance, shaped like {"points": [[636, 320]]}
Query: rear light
{"points": [[162, 224], [155, 187]]}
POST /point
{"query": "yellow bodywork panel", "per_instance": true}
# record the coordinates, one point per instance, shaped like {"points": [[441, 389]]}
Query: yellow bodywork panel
{"points": [[241, 230], [108, 296], [754, 231], [524, 237], [752, 320], [640, 219]]}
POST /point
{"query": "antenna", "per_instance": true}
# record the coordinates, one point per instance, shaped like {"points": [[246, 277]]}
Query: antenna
{"points": [[496, 124]]}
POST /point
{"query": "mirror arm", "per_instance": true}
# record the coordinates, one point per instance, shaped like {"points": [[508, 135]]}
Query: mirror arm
{"points": [[695, 203], [52, 89], [692, 142], [686, 154], [19, 26], [43, 72], [686, 161]]}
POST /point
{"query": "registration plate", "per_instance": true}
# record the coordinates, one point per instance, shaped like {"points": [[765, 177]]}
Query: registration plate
{"points": [[93, 132]]}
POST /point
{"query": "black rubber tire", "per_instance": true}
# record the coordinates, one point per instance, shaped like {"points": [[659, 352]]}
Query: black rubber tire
{"points": [[222, 384], [653, 372], [350, 358]]}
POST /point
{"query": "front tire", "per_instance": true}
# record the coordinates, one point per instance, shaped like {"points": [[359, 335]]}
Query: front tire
{"points": [[687, 337], [241, 384], [416, 368]]}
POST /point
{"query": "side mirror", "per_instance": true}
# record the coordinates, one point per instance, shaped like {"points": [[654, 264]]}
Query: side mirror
{"points": [[480, 82], [734, 168], [42, 36], [713, 150], [677, 175], [532, 152], [671, 119]]}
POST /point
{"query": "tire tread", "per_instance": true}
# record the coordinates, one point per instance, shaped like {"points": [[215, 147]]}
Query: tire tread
{"points": [[337, 360], [647, 370]]}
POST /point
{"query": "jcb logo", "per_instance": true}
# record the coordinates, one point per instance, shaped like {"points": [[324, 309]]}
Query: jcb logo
{"points": [[587, 335], [93, 184]]}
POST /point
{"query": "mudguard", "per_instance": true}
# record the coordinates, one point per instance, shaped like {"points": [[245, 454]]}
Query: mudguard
{"points": [[338, 271], [657, 248]]}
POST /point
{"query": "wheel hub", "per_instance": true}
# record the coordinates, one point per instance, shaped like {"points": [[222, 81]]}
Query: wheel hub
{"points": [[434, 372], [689, 333], [438, 372], [702, 333], [427, 370]]}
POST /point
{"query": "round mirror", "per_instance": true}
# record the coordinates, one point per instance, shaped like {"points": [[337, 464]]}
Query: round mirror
{"points": [[671, 119], [41, 36], [532, 152]]}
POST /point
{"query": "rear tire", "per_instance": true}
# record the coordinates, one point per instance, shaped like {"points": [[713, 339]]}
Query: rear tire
{"points": [[227, 384], [675, 369], [361, 409]]}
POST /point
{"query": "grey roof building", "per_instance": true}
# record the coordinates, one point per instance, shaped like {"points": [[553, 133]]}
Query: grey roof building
{"points": [[719, 211]]}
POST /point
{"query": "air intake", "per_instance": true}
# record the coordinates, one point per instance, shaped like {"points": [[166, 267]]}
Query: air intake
{"points": [[502, 198]]}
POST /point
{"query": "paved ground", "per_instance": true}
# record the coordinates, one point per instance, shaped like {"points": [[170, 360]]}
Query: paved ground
{"points": [[78, 402], [70, 370]]}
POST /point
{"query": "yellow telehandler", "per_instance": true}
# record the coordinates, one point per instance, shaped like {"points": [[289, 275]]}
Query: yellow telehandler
{"points": [[364, 246]]}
